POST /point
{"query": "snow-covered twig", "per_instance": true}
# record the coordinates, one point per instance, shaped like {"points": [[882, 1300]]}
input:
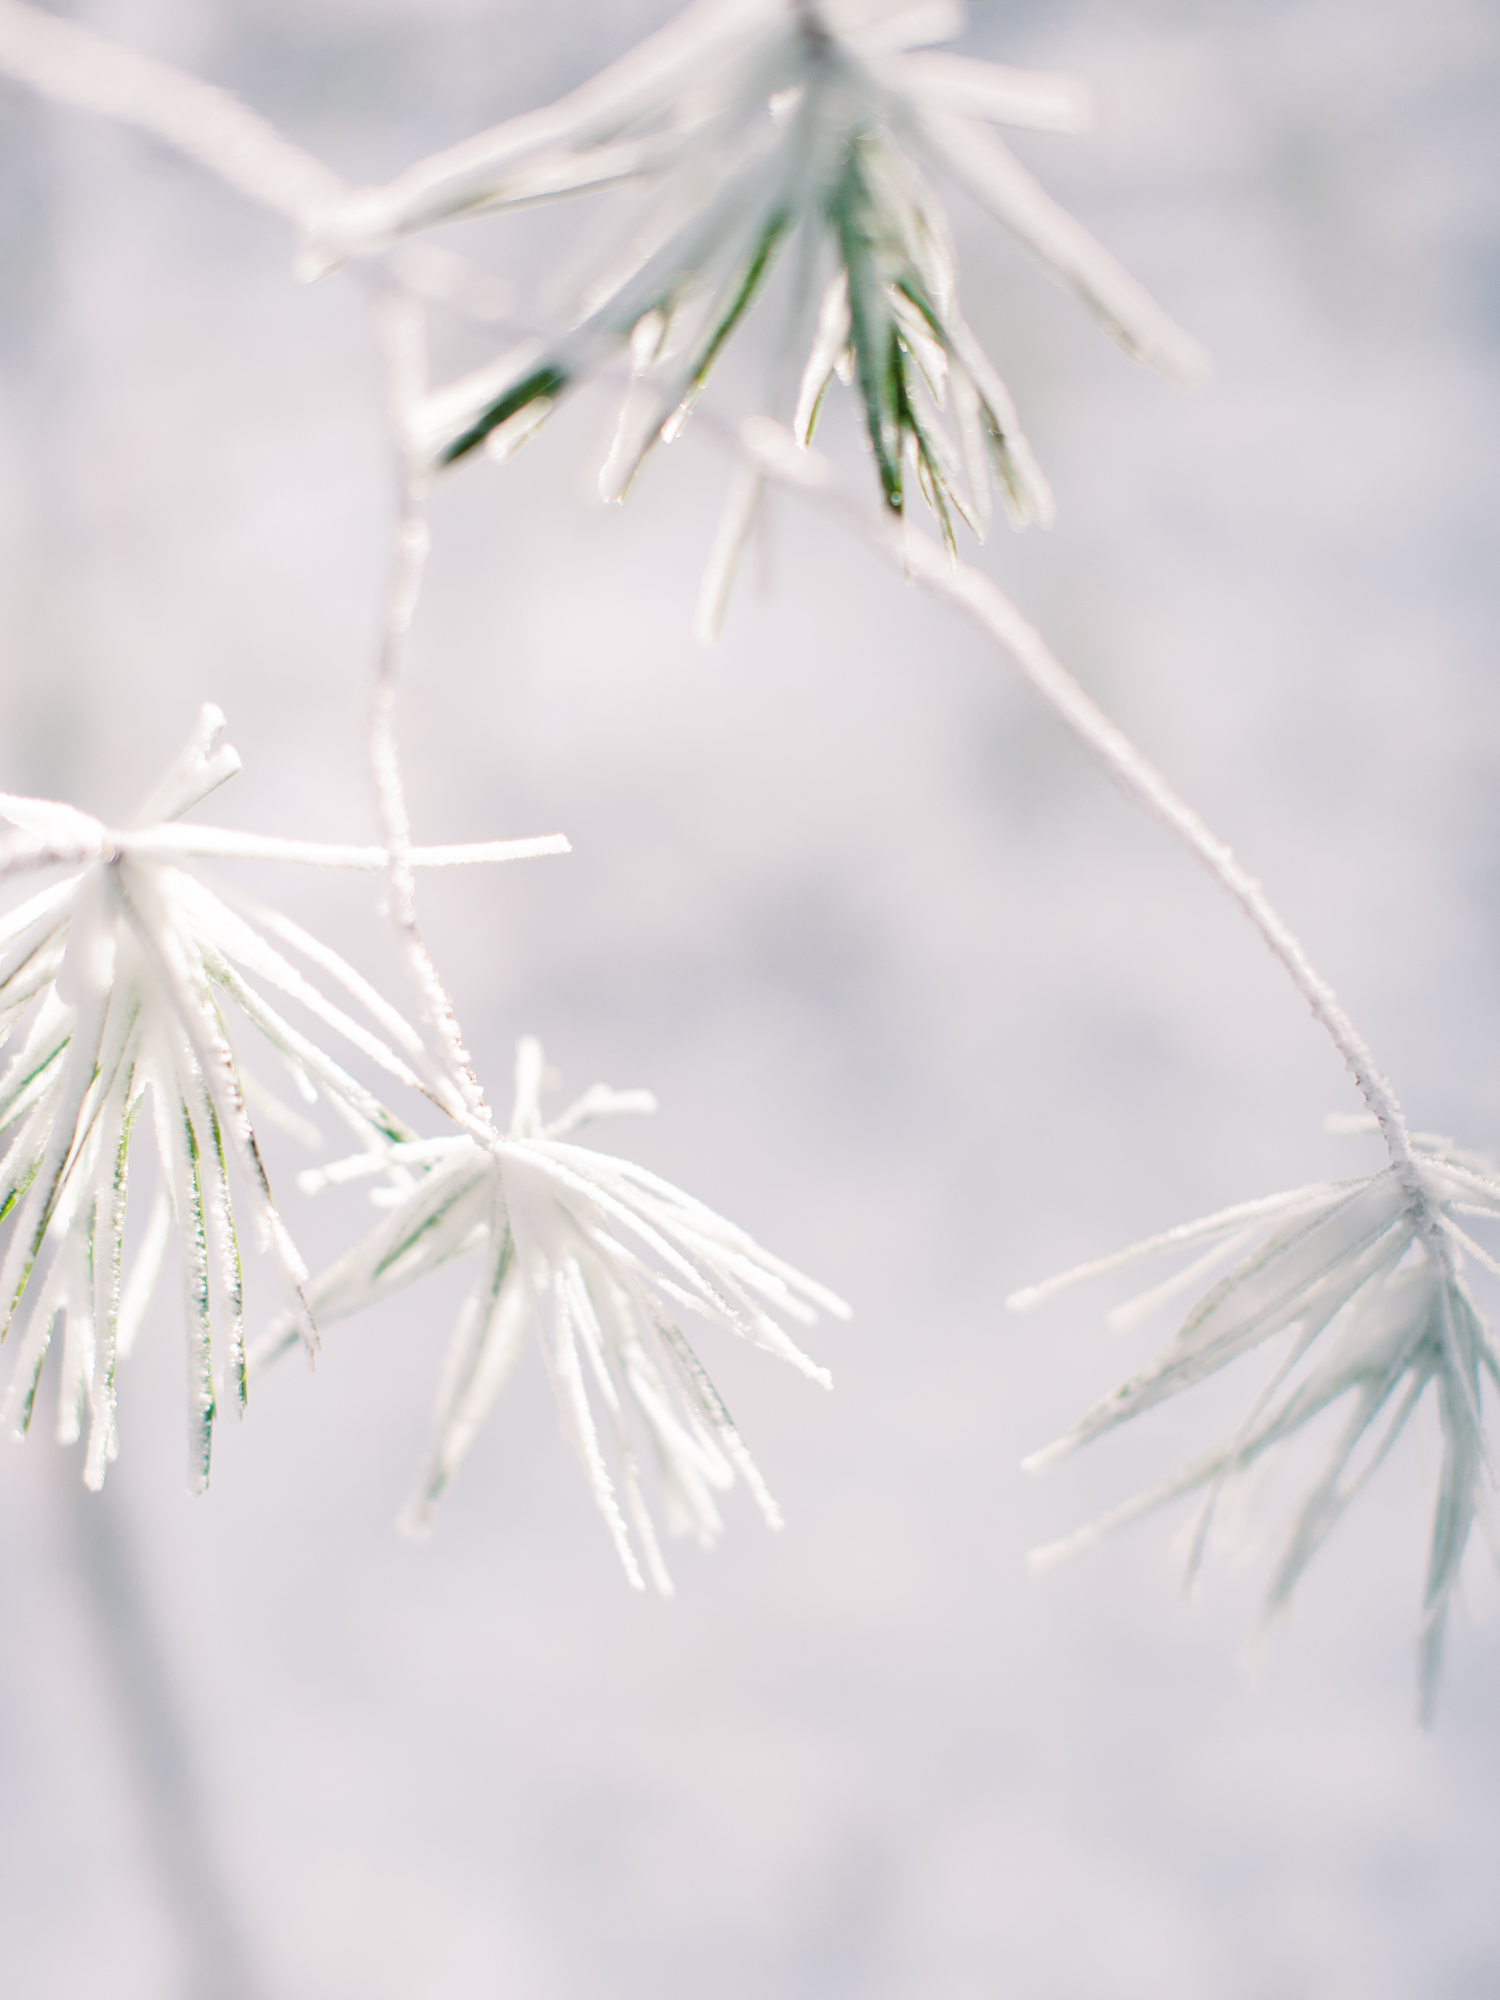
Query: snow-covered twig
{"points": [[1322, 1262], [777, 456], [399, 325]]}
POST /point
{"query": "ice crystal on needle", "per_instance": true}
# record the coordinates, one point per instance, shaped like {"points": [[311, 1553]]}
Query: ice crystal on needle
{"points": [[124, 973], [604, 1259], [758, 126], [1362, 1281]]}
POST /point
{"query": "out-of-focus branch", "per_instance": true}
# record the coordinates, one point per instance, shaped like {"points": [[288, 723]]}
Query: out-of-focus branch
{"points": [[133, 1661], [72, 65]]}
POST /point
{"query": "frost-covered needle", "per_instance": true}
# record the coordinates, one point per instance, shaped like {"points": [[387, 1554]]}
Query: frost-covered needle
{"points": [[768, 137], [606, 1263], [118, 982], [1366, 1305]]}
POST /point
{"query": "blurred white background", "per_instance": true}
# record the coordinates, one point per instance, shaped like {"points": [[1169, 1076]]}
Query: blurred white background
{"points": [[927, 1007]]}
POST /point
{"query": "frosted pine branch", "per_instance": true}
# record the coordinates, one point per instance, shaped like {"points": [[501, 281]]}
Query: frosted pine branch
{"points": [[605, 1261], [772, 133], [1371, 1315], [1437, 1334], [119, 980]]}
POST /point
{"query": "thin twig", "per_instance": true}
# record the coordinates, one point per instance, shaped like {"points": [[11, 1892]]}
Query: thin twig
{"points": [[400, 329], [70, 64], [776, 454]]}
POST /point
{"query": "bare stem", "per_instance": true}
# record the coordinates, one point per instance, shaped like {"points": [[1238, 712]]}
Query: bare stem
{"points": [[399, 325], [775, 452], [70, 64], [133, 1661]]}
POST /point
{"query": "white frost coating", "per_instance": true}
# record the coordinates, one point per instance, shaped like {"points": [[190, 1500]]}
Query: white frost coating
{"points": [[190, 940], [1029, 99], [754, 127], [1337, 1247], [1122, 1318], [225, 844], [749, 121], [830, 344], [602, 1259], [1062, 246], [123, 974], [1227, 1221], [886, 25], [1370, 1317], [627, 90], [773, 450], [199, 768], [72, 65], [741, 511], [403, 350], [67, 835]]}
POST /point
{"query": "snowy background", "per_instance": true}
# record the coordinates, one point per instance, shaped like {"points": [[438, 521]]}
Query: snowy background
{"points": [[926, 1005]]}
